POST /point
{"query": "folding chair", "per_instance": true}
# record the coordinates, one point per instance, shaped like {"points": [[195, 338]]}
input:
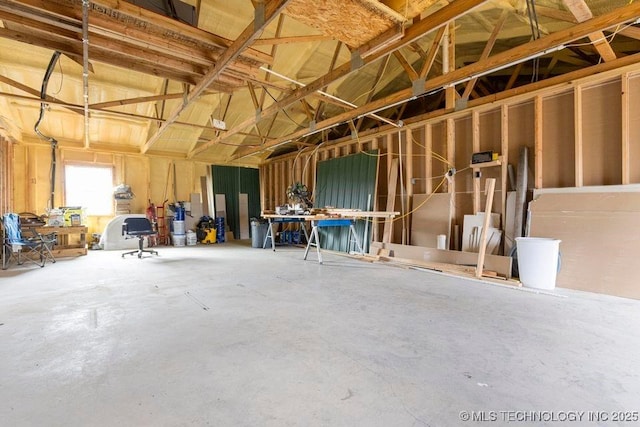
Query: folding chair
{"points": [[14, 246]]}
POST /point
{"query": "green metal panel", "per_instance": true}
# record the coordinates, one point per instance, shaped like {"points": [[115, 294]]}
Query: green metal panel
{"points": [[231, 181], [346, 183]]}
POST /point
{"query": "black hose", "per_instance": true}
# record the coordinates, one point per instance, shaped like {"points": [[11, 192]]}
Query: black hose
{"points": [[51, 140]]}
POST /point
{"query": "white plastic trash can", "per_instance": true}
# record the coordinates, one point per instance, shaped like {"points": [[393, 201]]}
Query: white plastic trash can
{"points": [[538, 261]]}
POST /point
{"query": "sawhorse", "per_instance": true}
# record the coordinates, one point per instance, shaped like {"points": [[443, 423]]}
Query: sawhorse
{"points": [[270, 233], [314, 240]]}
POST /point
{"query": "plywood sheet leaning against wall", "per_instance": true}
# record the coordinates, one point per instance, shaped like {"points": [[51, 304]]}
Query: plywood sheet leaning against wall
{"points": [[431, 217], [600, 245]]}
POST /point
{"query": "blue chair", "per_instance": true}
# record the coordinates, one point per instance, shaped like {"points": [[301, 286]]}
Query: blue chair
{"points": [[36, 249], [138, 228]]}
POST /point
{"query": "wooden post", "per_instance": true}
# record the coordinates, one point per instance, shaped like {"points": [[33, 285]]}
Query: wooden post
{"points": [[626, 154], [391, 201], [428, 167], [475, 130], [376, 232], [577, 111], [491, 186], [538, 142], [451, 159], [408, 181], [504, 169]]}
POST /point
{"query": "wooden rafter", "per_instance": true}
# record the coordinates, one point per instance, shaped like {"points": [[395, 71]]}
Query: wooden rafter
{"points": [[413, 75], [581, 12], [487, 50], [274, 49], [136, 100], [289, 40], [433, 51], [502, 59], [30, 90], [250, 33], [426, 25]]}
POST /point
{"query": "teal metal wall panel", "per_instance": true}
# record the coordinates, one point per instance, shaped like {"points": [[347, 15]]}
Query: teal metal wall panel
{"points": [[231, 181], [346, 183]]}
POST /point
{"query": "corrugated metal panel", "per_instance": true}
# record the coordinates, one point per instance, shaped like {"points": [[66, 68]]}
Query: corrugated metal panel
{"points": [[231, 181], [346, 183]]}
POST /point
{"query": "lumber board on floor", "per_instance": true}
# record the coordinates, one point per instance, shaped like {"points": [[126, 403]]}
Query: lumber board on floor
{"points": [[497, 263]]}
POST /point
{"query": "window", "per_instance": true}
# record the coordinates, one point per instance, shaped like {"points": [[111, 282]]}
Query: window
{"points": [[90, 187]]}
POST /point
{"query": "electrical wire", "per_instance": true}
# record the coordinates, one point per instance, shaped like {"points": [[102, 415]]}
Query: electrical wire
{"points": [[283, 110]]}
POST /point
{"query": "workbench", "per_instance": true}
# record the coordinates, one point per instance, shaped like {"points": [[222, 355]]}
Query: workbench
{"points": [[329, 218], [63, 248]]}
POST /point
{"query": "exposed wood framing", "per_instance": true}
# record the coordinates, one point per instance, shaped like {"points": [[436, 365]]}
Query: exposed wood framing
{"points": [[250, 33], [487, 50], [433, 51], [626, 138], [426, 25], [475, 138], [578, 31], [428, 158], [581, 11], [413, 75], [537, 173], [292, 39], [577, 120]]}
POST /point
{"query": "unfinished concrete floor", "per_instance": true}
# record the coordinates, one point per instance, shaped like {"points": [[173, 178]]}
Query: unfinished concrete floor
{"points": [[228, 335]]}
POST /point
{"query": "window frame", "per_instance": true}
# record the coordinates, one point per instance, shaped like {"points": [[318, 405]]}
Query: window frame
{"points": [[89, 165]]}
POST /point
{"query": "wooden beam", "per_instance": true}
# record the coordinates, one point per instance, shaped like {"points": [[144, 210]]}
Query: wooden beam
{"points": [[538, 139], [137, 100], [487, 50], [32, 91], [619, 16], [475, 142], [437, 19], [449, 51], [292, 39], [433, 51], [626, 129], [428, 158], [405, 65], [491, 185], [504, 168], [582, 13], [578, 127], [274, 50], [250, 33]]}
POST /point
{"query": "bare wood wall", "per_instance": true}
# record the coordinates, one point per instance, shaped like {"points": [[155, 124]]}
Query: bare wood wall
{"points": [[586, 132], [6, 175], [150, 178]]}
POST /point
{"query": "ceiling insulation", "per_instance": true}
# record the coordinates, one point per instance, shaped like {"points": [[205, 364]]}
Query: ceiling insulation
{"points": [[353, 22]]}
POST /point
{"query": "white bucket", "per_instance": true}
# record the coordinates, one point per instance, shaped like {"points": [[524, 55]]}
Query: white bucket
{"points": [[178, 227], [178, 239], [538, 261], [192, 239], [442, 241]]}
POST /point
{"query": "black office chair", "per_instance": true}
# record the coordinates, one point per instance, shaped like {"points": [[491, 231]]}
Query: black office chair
{"points": [[138, 227]]}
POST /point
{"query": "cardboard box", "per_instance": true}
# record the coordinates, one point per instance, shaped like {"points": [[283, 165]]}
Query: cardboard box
{"points": [[56, 218], [74, 216]]}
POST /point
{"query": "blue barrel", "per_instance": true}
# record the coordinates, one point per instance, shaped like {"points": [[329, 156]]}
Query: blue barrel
{"points": [[179, 216], [219, 221]]}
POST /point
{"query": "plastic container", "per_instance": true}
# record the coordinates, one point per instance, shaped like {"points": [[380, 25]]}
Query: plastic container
{"points": [[178, 227], [192, 239], [538, 261], [179, 213], [441, 241], [219, 222], [179, 239]]}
